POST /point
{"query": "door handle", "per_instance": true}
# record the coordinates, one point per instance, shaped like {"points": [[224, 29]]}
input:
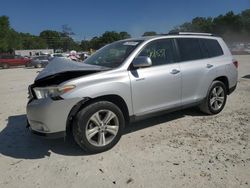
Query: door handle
{"points": [[174, 71], [209, 66], [140, 79]]}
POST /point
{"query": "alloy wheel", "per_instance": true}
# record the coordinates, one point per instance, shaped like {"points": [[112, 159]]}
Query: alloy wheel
{"points": [[217, 98], [102, 128]]}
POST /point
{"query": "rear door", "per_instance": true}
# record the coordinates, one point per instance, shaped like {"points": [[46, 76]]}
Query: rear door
{"points": [[197, 69], [157, 87]]}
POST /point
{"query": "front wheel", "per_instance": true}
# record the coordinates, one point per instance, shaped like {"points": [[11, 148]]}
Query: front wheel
{"points": [[216, 98], [98, 127], [38, 66]]}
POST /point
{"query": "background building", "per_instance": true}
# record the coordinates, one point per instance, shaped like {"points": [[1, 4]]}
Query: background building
{"points": [[34, 52]]}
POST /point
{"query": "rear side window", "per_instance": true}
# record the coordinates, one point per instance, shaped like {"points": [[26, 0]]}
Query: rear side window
{"points": [[160, 51], [189, 49], [7, 57], [42, 58], [211, 47]]}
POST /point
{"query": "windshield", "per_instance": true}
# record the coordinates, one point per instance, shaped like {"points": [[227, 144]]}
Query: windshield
{"points": [[114, 54]]}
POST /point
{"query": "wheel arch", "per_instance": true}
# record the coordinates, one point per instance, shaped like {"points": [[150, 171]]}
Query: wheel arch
{"points": [[224, 80], [2, 64], [116, 99]]}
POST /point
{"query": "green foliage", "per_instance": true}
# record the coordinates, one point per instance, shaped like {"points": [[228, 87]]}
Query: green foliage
{"points": [[245, 20], [11, 40], [4, 34], [231, 26], [149, 33], [52, 38], [227, 23], [106, 38], [29, 41]]}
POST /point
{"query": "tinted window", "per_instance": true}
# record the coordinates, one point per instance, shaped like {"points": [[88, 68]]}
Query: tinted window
{"points": [[18, 57], [42, 58], [7, 57], [211, 47], [160, 51], [189, 49]]}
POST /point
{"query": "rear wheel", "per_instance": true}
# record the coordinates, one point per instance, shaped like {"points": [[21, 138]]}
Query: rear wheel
{"points": [[216, 98], [28, 65], [5, 66], [98, 127]]}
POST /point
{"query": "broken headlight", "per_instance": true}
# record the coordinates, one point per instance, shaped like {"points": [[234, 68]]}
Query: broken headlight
{"points": [[52, 92]]}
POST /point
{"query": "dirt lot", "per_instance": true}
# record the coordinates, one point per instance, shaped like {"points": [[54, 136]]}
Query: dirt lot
{"points": [[181, 149]]}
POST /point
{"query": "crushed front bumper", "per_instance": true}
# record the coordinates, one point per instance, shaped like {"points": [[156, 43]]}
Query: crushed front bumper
{"points": [[47, 117], [47, 135]]}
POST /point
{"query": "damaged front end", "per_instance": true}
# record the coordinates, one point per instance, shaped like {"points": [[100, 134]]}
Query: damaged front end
{"points": [[57, 72], [46, 104]]}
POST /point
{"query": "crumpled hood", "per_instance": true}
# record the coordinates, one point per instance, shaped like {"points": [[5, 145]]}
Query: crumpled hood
{"points": [[61, 65]]}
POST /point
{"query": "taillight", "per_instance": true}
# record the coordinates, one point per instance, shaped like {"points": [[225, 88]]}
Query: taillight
{"points": [[236, 64]]}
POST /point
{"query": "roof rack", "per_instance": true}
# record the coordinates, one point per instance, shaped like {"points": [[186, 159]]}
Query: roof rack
{"points": [[190, 33]]}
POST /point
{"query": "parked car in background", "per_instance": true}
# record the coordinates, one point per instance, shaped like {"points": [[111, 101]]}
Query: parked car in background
{"points": [[13, 60], [40, 61], [84, 55], [60, 55]]}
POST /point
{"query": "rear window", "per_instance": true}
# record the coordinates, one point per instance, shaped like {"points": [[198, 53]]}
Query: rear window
{"points": [[211, 48], [189, 49]]}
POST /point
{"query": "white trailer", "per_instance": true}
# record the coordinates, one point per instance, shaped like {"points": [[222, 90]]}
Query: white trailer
{"points": [[33, 52]]}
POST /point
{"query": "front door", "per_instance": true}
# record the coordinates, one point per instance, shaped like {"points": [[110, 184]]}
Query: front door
{"points": [[157, 87]]}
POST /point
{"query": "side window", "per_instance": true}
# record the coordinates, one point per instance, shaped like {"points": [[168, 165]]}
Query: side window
{"points": [[189, 49], [160, 51], [211, 47]]}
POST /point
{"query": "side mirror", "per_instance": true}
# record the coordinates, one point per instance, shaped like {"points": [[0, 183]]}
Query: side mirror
{"points": [[142, 61]]}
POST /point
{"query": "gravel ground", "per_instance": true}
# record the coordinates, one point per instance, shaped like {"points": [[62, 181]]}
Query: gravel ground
{"points": [[180, 149]]}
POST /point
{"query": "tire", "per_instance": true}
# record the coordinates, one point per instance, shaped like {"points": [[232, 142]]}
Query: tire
{"points": [[28, 65], [5, 66], [99, 138], [215, 99], [38, 66]]}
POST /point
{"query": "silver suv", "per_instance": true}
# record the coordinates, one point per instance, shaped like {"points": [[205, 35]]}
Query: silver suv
{"points": [[128, 80]]}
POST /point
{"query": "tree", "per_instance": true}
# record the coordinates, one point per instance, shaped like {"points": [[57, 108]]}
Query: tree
{"points": [[4, 32], [52, 38], [85, 45], [201, 24], [149, 33], [198, 24], [106, 38], [124, 35], [245, 20], [227, 23], [32, 42], [67, 42]]}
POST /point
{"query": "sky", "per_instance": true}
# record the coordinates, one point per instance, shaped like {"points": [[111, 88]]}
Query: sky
{"points": [[89, 18]]}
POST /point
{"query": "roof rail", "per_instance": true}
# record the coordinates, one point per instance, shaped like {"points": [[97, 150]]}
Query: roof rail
{"points": [[190, 33]]}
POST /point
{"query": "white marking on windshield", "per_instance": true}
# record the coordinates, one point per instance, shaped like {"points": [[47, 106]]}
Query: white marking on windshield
{"points": [[131, 43]]}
